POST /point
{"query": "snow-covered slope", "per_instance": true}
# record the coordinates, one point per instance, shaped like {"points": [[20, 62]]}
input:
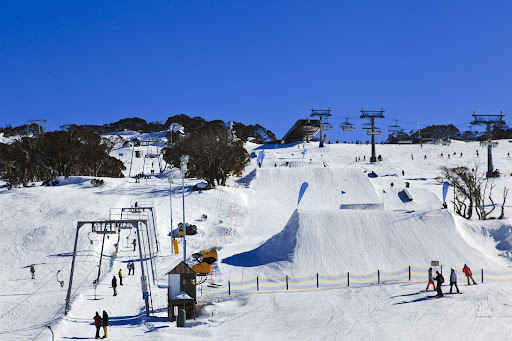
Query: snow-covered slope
{"points": [[258, 230]]}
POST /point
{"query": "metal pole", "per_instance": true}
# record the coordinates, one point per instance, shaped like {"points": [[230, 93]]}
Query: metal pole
{"points": [[101, 257], [184, 226], [142, 266], [373, 158], [53, 336], [131, 161], [68, 296], [321, 133], [170, 202]]}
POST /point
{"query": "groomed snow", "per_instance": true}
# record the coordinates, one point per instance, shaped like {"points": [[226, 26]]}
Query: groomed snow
{"points": [[259, 231]]}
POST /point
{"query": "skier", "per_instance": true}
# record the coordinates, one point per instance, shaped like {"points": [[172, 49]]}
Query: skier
{"points": [[114, 285], [120, 277], [105, 324], [468, 273], [453, 281], [134, 243], [403, 173], [33, 271], [391, 185], [430, 280], [97, 324], [131, 268], [439, 279]]}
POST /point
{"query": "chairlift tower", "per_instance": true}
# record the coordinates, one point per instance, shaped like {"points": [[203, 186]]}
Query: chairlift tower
{"points": [[372, 115], [488, 121], [323, 125]]}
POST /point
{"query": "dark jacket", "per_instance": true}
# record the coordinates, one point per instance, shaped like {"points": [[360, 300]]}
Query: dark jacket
{"points": [[114, 282], [97, 320], [439, 279], [105, 319]]}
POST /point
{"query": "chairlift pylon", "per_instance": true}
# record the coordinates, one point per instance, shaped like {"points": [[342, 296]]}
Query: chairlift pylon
{"points": [[395, 128]]}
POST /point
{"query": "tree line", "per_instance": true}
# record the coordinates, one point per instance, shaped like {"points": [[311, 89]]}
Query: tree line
{"points": [[446, 132], [215, 149]]}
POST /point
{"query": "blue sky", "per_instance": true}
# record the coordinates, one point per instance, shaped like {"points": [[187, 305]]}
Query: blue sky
{"points": [[265, 62]]}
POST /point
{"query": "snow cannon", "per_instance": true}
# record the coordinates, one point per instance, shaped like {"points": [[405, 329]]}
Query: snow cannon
{"points": [[191, 229], [205, 259]]}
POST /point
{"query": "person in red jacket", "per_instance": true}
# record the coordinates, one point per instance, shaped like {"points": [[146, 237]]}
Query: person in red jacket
{"points": [[468, 273], [97, 324]]}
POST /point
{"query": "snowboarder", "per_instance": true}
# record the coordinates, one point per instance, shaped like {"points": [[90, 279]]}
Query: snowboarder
{"points": [[440, 280], [105, 324], [120, 277], [134, 243], [97, 324], [114, 285], [403, 173], [468, 273], [33, 271], [430, 280], [453, 281]]}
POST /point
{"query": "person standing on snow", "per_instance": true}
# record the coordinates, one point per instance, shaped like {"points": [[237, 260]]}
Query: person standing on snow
{"points": [[114, 285], [120, 277], [104, 321], [430, 280], [134, 243], [453, 281], [33, 271], [468, 273], [97, 324], [439, 279]]}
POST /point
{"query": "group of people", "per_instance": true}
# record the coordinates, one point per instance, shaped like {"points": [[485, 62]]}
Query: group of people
{"points": [[101, 322], [453, 280]]}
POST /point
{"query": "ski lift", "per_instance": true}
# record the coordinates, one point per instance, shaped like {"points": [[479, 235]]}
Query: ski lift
{"points": [[107, 229], [326, 125], [367, 126], [376, 131], [347, 126], [395, 128]]}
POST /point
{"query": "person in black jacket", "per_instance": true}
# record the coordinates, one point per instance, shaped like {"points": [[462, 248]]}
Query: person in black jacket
{"points": [[439, 279], [104, 321], [114, 285]]}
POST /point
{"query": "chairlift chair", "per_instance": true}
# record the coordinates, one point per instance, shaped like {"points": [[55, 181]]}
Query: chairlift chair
{"points": [[376, 131], [347, 126], [367, 126], [395, 128], [326, 125]]}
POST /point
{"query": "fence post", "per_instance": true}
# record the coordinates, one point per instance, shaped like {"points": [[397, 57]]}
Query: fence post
{"points": [[257, 284], [482, 275], [409, 273], [229, 287], [378, 276], [286, 282], [348, 279], [317, 280]]}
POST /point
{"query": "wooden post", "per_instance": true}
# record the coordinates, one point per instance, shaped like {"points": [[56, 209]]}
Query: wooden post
{"points": [[482, 275], [229, 287], [409, 273], [257, 284], [378, 276], [286, 282], [317, 280], [348, 279]]}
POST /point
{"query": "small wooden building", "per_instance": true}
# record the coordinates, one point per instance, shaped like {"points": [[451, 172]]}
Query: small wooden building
{"points": [[182, 290]]}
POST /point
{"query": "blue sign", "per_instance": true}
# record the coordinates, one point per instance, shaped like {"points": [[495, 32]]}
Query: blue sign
{"points": [[145, 295]]}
